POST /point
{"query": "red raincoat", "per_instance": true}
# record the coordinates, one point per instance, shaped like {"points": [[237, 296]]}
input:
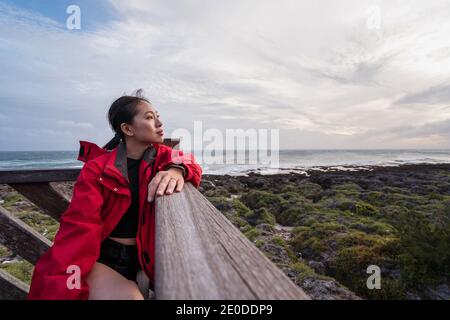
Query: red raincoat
{"points": [[101, 195]]}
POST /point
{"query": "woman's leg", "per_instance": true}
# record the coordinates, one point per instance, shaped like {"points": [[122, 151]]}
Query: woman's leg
{"points": [[107, 284]]}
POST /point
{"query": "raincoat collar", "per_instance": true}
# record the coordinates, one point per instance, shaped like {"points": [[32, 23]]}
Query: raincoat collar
{"points": [[120, 161], [116, 165]]}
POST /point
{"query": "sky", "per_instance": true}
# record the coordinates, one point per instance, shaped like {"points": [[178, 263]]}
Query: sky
{"points": [[350, 74]]}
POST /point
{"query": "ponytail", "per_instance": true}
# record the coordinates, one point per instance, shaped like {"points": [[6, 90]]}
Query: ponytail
{"points": [[114, 142]]}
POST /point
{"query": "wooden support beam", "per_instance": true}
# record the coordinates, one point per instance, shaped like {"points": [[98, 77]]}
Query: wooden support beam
{"points": [[12, 288], [21, 239], [38, 175], [173, 143], [45, 196]]}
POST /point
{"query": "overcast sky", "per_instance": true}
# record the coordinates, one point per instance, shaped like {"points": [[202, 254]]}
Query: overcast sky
{"points": [[327, 74]]}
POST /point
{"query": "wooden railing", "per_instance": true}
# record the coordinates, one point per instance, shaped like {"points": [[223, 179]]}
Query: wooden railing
{"points": [[199, 253], [38, 187]]}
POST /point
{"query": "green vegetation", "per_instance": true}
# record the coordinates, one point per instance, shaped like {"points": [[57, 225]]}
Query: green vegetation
{"points": [[304, 271], [403, 227], [22, 270], [32, 216]]}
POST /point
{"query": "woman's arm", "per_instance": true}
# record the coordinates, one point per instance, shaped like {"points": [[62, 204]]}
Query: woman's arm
{"points": [[174, 167]]}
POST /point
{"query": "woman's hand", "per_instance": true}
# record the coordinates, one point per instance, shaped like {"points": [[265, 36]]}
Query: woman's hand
{"points": [[165, 182]]}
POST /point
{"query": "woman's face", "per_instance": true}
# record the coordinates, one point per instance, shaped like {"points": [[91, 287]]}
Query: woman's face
{"points": [[146, 126]]}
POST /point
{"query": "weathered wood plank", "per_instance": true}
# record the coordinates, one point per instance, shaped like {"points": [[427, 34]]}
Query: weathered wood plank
{"points": [[173, 143], [12, 288], [201, 255], [38, 175], [20, 238], [45, 196]]}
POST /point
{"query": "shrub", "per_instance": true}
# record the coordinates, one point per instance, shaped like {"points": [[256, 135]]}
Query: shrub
{"points": [[365, 209]]}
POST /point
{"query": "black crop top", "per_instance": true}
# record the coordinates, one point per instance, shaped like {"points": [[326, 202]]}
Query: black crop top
{"points": [[128, 225]]}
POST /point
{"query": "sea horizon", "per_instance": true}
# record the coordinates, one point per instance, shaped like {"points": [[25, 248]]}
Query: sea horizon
{"points": [[289, 160]]}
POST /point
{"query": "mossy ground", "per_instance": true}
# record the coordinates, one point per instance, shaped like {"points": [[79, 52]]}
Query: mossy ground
{"points": [[400, 223], [20, 207]]}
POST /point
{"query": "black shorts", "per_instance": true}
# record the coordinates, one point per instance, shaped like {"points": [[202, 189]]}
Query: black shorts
{"points": [[120, 257]]}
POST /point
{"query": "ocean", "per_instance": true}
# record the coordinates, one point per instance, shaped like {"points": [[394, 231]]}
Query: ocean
{"points": [[288, 160]]}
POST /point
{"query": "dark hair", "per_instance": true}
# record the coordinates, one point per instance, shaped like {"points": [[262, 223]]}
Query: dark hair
{"points": [[121, 111]]}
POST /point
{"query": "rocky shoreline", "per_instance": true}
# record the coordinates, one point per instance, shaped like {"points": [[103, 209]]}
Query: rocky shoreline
{"points": [[324, 227]]}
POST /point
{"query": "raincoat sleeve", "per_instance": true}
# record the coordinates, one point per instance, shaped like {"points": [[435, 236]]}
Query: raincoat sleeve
{"points": [[61, 272], [176, 158]]}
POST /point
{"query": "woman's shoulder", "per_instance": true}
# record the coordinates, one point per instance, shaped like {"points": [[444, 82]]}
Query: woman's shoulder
{"points": [[97, 164], [89, 150]]}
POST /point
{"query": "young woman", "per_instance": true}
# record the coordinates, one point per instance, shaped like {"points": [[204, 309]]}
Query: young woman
{"points": [[108, 232]]}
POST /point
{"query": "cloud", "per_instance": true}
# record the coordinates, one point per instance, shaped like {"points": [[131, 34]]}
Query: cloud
{"points": [[313, 70], [3, 117], [69, 124], [435, 95], [440, 128]]}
